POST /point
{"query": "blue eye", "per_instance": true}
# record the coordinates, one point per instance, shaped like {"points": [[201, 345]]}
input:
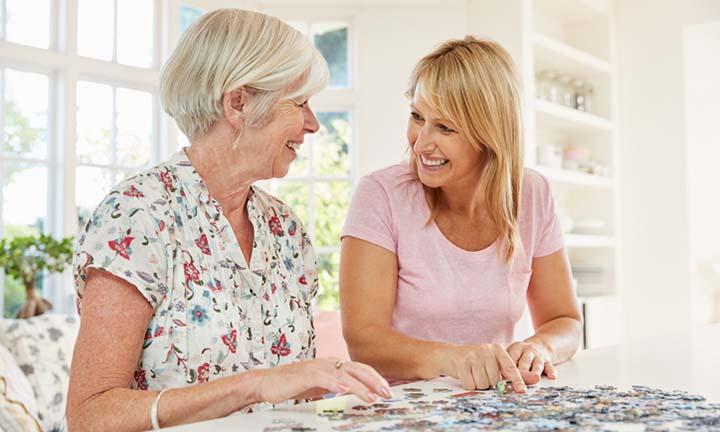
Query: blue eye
{"points": [[444, 129], [415, 116]]}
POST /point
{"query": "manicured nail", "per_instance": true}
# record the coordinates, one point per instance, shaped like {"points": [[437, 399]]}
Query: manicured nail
{"points": [[371, 397], [386, 392]]}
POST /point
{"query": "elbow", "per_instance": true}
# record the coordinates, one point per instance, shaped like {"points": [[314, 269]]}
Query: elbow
{"points": [[360, 343]]}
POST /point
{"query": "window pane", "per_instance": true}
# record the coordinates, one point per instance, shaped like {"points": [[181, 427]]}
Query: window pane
{"points": [[24, 198], [91, 186], [188, 15], [26, 106], [331, 203], [328, 274], [28, 22], [332, 41], [94, 122], [135, 32], [134, 127], [294, 194], [332, 150], [95, 29], [13, 296]]}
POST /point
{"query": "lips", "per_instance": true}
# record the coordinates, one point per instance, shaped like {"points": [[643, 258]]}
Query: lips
{"points": [[433, 162]]}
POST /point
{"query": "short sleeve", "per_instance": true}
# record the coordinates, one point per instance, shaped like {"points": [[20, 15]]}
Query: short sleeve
{"points": [[550, 238], [122, 238], [370, 215]]}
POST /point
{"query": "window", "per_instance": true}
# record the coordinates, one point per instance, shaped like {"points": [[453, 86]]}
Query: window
{"points": [[319, 182], [114, 140], [54, 174], [117, 31], [24, 164]]}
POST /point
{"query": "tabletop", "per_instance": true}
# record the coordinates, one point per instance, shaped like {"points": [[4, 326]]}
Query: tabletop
{"points": [[686, 361]]}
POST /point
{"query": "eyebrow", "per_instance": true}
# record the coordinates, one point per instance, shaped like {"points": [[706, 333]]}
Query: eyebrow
{"points": [[436, 119]]}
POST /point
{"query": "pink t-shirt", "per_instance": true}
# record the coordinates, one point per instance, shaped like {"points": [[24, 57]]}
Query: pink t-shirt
{"points": [[445, 293]]}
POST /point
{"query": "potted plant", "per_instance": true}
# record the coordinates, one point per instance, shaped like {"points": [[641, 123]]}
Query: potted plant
{"points": [[25, 258]]}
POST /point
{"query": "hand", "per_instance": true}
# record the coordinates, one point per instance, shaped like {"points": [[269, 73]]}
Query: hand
{"points": [[314, 378], [532, 360], [482, 366]]}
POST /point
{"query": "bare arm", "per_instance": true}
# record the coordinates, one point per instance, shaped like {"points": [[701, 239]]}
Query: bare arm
{"points": [[115, 318], [556, 317], [553, 306], [368, 288]]}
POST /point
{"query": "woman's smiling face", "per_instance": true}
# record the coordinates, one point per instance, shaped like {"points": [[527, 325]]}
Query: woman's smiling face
{"points": [[443, 154]]}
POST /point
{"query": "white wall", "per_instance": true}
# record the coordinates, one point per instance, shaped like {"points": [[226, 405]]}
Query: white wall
{"points": [[702, 82], [390, 41], [654, 195]]}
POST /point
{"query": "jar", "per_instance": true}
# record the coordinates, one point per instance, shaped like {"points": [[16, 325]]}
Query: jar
{"points": [[588, 97], [566, 91], [579, 94]]}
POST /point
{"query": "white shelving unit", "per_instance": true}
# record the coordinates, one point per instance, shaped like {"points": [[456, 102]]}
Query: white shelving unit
{"points": [[574, 38]]}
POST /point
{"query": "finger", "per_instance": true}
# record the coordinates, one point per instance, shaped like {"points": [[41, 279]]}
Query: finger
{"points": [[357, 387], [515, 351], [550, 370], [480, 376], [492, 369], [526, 360], [509, 370], [466, 378], [536, 370], [370, 378]]}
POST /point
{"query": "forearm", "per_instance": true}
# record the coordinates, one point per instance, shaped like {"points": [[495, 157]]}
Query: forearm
{"points": [[124, 409], [398, 356], [560, 337]]}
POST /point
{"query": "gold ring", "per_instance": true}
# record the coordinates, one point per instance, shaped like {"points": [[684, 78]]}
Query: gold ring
{"points": [[338, 364]]}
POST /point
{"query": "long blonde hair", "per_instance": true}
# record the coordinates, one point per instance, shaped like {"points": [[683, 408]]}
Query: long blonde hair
{"points": [[473, 82]]}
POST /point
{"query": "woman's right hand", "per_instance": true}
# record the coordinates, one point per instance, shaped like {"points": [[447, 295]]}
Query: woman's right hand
{"points": [[482, 366], [313, 378]]}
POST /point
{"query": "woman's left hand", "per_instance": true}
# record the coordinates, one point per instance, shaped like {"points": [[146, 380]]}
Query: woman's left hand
{"points": [[532, 360]]}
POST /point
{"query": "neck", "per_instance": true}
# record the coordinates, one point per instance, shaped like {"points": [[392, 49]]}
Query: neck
{"points": [[228, 179], [464, 197]]}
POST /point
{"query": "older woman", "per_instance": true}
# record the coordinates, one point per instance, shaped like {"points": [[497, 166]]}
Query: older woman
{"points": [[439, 256], [193, 284]]}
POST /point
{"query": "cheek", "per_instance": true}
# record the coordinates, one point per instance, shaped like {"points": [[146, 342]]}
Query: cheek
{"points": [[412, 133]]}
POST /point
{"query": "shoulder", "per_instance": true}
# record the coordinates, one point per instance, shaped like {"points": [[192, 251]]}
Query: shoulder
{"points": [[139, 197], [534, 185]]}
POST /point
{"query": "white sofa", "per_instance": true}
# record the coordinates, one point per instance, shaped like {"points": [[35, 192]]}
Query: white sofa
{"points": [[35, 356]]}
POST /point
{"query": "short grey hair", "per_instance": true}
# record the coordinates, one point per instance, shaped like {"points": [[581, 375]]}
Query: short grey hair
{"points": [[231, 48]]}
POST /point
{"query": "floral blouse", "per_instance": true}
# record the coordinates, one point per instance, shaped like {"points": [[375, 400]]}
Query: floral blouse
{"points": [[213, 314]]}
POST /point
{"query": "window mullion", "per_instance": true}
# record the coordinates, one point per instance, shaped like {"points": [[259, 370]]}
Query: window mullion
{"points": [[3, 14], [115, 31], [113, 128]]}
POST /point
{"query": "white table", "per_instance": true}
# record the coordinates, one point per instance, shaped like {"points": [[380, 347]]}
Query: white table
{"points": [[687, 361]]}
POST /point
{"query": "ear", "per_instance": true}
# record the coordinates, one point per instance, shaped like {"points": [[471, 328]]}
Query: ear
{"points": [[235, 106]]}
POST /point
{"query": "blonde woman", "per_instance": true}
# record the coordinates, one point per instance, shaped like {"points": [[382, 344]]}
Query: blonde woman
{"points": [[194, 286], [440, 255]]}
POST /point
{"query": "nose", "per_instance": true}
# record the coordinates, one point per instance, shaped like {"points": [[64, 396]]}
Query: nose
{"points": [[423, 141], [311, 124]]}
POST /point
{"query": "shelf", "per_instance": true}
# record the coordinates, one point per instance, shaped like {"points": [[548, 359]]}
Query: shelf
{"points": [[574, 178], [589, 241], [575, 10], [561, 117], [559, 56]]}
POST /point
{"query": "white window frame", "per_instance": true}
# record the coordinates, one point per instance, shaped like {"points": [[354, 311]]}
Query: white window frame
{"points": [[65, 68]]}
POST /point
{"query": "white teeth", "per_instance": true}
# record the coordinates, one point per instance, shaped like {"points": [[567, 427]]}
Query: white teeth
{"points": [[292, 145], [437, 162]]}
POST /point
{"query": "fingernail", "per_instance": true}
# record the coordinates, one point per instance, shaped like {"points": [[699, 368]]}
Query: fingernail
{"points": [[342, 390], [387, 393], [371, 397]]}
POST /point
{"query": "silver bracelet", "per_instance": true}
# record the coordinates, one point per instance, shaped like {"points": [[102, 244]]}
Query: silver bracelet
{"points": [[154, 410]]}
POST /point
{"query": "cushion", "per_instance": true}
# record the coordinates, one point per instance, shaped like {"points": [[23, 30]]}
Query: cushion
{"points": [[18, 410], [42, 347]]}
